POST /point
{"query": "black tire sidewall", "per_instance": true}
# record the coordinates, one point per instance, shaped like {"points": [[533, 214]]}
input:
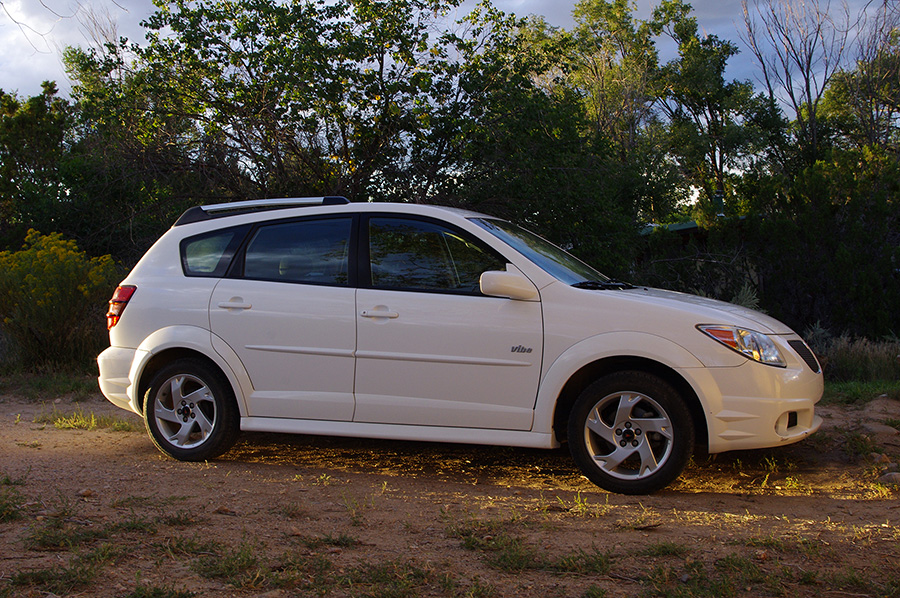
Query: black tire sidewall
{"points": [[665, 395], [227, 422]]}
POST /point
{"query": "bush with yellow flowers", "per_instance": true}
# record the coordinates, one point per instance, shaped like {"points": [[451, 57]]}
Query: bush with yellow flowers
{"points": [[52, 302]]}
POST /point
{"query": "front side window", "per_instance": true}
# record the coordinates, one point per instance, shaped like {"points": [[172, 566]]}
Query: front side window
{"points": [[307, 252], [563, 266], [408, 254]]}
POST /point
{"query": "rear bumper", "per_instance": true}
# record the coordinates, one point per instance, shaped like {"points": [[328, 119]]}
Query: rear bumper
{"points": [[115, 381]]}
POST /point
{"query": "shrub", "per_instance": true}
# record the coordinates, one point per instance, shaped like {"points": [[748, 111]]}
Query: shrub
{"points": [[860, 359], [52, 301]]}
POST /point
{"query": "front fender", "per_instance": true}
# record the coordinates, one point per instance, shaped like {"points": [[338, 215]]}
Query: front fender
{"points": [[599, 347], [195, 339]]}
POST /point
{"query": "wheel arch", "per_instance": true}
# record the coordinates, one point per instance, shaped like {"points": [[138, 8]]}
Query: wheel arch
{"points": [[595, 370], [160, 360], [168, 345]]}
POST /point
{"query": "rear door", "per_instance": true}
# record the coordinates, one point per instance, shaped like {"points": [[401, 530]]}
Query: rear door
{"points": [[288, 310]]}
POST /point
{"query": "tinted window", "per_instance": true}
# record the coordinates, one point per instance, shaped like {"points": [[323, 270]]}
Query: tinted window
{"points": [[553, 260], [308, 251], [418, 255], [209, 254]]}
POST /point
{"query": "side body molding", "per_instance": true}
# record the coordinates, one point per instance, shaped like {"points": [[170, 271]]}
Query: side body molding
{"points": [[599, 347]]}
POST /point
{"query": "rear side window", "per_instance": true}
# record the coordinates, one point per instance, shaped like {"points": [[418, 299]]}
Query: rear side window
{"points": [[307, 252], [209, 254]]}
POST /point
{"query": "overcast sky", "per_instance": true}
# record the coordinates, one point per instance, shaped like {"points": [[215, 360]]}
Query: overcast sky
{"points": [[34, 32]]}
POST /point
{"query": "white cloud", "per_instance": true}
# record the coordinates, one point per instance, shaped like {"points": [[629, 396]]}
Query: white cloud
{"points": [[34, 33]]}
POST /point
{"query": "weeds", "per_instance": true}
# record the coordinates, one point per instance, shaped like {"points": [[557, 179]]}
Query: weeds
{"points": [[79, 420], [860, 359], [239, 567], [142, 591], [666, 549], [11, 504], [356, 508], [180, 518], [582, 508], [395, 579], [341, 541], [80, 572]]}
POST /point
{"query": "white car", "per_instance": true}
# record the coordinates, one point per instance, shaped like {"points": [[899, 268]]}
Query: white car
{"points": [[413, 322]]}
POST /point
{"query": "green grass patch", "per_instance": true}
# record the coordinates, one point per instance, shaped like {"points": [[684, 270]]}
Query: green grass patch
{"points": [[666, 549], [59, 534], [395, 579], [81, 420], [859, 392]]}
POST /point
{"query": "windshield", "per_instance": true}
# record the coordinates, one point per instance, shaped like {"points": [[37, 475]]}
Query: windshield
{"points": [[563, 266]]}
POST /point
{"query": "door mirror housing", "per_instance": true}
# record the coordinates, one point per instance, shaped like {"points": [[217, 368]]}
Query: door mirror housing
{"points": [[512, 285]]}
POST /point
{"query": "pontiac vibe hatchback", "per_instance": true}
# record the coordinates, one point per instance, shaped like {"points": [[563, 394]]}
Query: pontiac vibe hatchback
{"points": [[320, 316]]}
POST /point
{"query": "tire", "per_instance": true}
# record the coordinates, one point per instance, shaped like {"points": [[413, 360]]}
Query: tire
{"points": [[631, 433], [190, 411]]}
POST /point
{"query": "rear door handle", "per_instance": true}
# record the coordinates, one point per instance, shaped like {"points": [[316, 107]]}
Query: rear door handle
{"points": [[378, 313], [235, 305]]}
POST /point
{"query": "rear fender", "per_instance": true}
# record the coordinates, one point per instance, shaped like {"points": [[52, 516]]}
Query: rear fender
{"points": [[195, 339]]}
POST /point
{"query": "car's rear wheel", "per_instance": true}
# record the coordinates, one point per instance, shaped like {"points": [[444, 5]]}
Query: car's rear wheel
{"points": [[190, 412], [631, 432]]}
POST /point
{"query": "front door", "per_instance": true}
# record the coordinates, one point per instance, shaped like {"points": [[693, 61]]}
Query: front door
{"points": [[431, 349]]}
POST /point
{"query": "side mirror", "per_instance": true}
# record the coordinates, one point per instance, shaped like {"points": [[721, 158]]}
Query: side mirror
{"points": [[508, 284]]}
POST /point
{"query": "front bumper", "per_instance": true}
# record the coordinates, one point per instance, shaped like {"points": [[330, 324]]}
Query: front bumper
{"points": [[757, 406]]}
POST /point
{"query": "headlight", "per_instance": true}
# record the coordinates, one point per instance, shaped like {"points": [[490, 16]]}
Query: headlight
{"points": [[753, 345]]}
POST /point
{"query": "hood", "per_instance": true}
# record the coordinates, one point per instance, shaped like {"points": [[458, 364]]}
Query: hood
{"points": [[711, 311]]}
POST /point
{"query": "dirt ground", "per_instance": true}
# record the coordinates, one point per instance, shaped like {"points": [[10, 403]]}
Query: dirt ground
{"points": [[102, 513]]}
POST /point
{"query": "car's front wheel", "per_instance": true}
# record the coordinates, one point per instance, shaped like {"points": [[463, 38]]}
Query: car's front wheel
{"points": [[190, 412], [631, 432]]}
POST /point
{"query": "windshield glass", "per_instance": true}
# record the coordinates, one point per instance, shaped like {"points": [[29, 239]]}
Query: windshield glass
{"points": [[561, 265]]}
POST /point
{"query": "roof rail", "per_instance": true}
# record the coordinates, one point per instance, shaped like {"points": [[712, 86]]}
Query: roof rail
{"points": [[219, 210]]}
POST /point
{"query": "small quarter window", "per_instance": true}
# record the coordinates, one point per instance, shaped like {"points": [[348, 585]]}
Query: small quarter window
{"points": [[209, 254]]}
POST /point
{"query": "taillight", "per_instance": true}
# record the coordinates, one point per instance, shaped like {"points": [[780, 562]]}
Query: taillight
{"points": [[117, 304]]}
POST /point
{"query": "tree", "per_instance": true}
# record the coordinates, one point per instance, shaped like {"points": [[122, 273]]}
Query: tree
{"points": [[799, 46], [864, 103], [710, 128], [32, 144]]}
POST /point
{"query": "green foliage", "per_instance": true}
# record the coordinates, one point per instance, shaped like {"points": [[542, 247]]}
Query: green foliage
{"points": [[581, 134], [52, 301], [32, 132]]}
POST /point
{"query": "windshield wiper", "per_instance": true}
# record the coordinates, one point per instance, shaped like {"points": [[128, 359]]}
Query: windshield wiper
{"points": [[602, 285]]}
